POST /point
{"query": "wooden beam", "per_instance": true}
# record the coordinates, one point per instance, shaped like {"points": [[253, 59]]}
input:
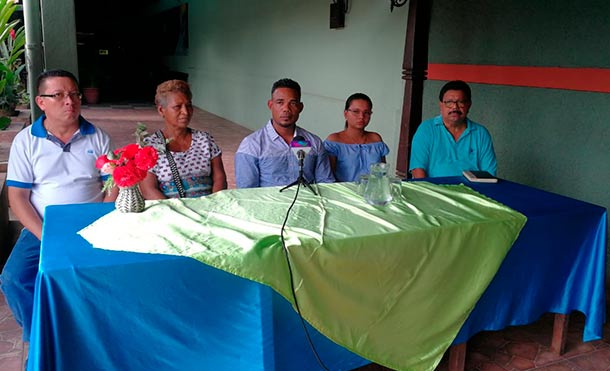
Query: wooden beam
{"points": [[457, 357], [415, 64], [560, 333]]}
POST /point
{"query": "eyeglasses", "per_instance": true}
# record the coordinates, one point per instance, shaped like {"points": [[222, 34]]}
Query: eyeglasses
{"points": [[452, 103], [61, 96], [358, 112]]}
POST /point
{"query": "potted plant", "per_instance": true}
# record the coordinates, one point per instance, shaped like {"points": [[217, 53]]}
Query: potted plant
{"points": [[90, 86], [92, 92], [12, 42]]}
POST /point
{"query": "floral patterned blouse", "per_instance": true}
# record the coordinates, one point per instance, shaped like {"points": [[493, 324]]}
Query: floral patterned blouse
{"points": [[194, 165]]}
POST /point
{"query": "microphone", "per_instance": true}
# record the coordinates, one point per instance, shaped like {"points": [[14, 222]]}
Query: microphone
{"points": [[300, 147]]}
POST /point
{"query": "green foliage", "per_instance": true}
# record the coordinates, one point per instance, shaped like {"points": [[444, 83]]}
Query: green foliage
{"points": [[108, 184], [141, 133], [12, 46], [4, 122]]}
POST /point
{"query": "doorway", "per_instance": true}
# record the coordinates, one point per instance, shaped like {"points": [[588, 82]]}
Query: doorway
{"points": [[121, 47]]}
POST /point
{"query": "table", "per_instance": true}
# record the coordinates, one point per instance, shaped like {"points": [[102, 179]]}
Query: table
{"points": [[558, 263], [69, 268], [73, 330]]}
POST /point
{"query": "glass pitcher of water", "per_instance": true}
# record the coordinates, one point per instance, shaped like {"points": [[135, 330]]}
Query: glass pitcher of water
{"points": [[377, 191]]}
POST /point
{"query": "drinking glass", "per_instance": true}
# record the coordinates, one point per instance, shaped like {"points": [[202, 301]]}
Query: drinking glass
{"points": [[362, 182], [396, 189]]}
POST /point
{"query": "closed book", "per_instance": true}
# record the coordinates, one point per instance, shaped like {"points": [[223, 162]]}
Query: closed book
{"points": [[479, 176]]}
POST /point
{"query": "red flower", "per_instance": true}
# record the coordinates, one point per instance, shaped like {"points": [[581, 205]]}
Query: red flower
{"points": [[128, 175], [128, 152], [12, 33], [129, 165], [101, 161], [146, 158]]}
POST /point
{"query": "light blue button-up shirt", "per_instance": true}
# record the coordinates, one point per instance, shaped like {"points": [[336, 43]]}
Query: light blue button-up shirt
{"points": [[264, 159]]}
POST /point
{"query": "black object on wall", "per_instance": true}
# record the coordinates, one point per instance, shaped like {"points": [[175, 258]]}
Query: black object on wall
{"points": [[337, 14]]}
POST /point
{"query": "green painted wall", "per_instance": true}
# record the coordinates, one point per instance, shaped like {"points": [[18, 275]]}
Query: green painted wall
{"points": [[552, 139], [239, 48], [557, 33], [59, 35], [557, 140]]}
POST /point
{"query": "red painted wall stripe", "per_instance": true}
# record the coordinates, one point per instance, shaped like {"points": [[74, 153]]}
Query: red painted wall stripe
{"points": [[581, 79]]}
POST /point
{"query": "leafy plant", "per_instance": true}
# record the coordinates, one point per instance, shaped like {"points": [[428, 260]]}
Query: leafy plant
{"points": [[4, 122], [12, 46], [10, 87]]}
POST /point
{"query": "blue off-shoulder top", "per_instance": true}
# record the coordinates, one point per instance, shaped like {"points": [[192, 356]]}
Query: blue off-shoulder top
{"points": [[355, 159]]}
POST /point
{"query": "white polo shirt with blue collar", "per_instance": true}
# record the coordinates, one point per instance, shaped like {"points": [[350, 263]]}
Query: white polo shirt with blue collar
{"points": [[58, 173]]}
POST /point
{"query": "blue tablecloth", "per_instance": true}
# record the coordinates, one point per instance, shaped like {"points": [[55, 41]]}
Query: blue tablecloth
{"points": [[155, 308], [556, 265]]}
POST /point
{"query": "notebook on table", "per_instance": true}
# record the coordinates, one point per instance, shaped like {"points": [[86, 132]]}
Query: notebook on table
{"points": [[479, 176]]}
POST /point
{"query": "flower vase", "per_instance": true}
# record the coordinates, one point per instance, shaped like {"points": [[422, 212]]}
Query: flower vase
{"points": [[129, 200]]}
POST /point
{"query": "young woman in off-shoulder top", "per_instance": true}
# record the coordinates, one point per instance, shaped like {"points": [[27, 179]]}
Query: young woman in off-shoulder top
{"points": [[353, 150]]}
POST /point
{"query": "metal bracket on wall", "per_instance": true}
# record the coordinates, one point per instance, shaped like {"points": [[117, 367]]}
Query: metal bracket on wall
{"points": [[396, 3]]}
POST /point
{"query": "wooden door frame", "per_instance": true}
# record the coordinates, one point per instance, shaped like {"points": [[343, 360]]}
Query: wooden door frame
{"points": [[415, 70]]}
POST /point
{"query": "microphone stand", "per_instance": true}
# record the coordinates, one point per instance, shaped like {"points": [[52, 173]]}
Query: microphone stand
{"points": [[301, 179]]}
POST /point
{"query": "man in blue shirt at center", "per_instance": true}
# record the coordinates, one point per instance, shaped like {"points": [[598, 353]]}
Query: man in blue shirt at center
{"points": [[264, 158]]}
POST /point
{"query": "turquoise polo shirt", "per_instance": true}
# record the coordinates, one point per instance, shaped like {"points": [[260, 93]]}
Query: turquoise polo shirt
{"points": [[434, 149]]}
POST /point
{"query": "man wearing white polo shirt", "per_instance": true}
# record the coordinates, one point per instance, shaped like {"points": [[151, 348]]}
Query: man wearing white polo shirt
{"points": [[51, 162]]}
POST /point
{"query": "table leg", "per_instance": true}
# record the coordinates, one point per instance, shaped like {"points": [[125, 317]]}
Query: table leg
{"points": [[560, 333], [457, 357]]}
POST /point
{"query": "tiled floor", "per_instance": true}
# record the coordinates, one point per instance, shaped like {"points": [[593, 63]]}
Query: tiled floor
{"points": [[513, 349], [527, 348]]}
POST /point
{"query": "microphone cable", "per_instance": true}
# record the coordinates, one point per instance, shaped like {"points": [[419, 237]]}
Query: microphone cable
{"points": [[294, 294]]}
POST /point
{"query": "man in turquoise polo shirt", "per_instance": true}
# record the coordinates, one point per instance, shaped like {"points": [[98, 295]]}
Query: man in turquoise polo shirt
{"points": [[450, 143]]}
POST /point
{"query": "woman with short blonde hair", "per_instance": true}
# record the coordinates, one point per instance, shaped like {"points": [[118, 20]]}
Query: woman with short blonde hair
{"points": [[190, 164]]}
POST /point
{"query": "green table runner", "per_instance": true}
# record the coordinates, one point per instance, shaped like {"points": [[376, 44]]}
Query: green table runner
{"points": [[393, 284]]}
